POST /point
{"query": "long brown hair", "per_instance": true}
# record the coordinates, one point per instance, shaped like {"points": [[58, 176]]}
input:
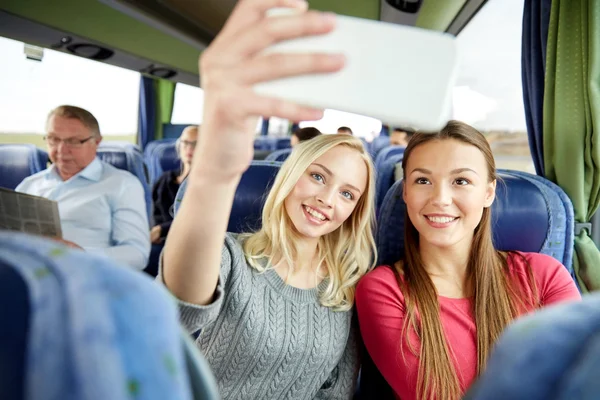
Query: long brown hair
{"points": [[497, 298]]}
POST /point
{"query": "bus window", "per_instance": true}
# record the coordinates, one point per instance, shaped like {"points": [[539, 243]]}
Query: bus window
{"points": [[30, 89], [489, 93], [365, 127]]}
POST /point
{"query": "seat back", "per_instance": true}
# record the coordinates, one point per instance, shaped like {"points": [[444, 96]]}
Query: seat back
{"points": [[161, 156], [529, 214], [386, 178], [379, 143], [107, 343], [249, 197], [282, 143], [385, 153], [265, 143], [132, 161], [279, 155], [18, 161]]}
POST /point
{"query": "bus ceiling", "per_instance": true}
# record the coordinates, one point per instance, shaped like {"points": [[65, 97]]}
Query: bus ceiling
{"points": [[163, 38]]}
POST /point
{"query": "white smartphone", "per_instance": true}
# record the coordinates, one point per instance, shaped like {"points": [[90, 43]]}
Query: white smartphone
{"points": [[401, 75]]}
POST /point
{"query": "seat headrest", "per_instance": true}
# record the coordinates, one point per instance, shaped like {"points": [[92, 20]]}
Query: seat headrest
{"points": [[115, 157], [282, 143], [132, 161], [18, 161], [386, 153], [165, 158], [91, 322], [249, 197], [386, 178], [279, 155], [529, 214]]}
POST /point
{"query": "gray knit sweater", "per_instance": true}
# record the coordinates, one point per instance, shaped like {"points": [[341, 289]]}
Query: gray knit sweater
{"points": [[267, 340]]}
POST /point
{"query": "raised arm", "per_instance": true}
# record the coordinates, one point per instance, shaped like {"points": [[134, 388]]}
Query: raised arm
{"points": [[229, 68]]}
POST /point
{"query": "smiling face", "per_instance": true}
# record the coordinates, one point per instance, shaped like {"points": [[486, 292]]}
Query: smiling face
{"points": [[327, 193], [446, 188]]}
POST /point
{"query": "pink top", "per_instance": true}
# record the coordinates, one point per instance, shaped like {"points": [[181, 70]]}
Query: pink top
{"points": [[381, 312]]}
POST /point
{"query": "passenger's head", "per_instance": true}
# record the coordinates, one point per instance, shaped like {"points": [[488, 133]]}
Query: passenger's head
{"points": [[303, 134], [400, 137], [344, 130], [186, 144], [324, 193], [449, 185], [72, 137]]}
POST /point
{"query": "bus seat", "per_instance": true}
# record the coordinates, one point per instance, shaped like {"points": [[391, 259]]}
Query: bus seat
{"points": [[131, 161], [119, 144], [385, 153], [552, 354], [71, 317], [161, 156], [279, 155], [164, 158], [385, 177], [249, 197], [265, 143], [247, 205], [18, 161], [530, 214], [282, 143], [379, 143]]}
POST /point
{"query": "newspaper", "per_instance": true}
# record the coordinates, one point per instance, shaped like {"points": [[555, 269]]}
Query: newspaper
{"points": [[31, 214]]}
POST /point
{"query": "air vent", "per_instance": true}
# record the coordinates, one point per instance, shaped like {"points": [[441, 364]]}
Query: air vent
{"points": [[90, 51], [407, 6]]}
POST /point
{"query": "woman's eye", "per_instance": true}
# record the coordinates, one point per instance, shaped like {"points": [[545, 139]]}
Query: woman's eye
{"points": [[462, 181], [317, 177], [348, 195], [422, 181]]}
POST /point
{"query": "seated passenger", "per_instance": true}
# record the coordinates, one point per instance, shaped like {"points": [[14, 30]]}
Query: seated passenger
{"points": [[274, 308], [102, 209], [303, 134], [344, 130], [430, 321], [166, 187], [400, 137]]}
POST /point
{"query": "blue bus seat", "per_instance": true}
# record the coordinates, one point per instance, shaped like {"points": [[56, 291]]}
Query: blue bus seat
{"points": [[386, 178], [247, 205], [131, 161], [529, 214], [379, 143], [18, 161], [119, 144], [385, 153], [249, 197], [164, 158], [282, 143], [265, 143], [77, 326], [279, 155], [160, 156]]}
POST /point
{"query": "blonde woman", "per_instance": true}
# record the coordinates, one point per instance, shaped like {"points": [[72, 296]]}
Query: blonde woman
{"points": [[274, 307]]}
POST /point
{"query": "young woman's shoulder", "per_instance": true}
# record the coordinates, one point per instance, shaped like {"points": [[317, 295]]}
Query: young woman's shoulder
{"points": [[540, 264], [553, 281], [380, 284]]}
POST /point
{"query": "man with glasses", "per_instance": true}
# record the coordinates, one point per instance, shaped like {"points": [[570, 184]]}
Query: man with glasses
{"points": [[102, 209]]}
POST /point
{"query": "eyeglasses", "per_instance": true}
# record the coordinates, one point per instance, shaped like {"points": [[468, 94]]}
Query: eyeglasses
{"points": [[71, 142], [187, 143]]}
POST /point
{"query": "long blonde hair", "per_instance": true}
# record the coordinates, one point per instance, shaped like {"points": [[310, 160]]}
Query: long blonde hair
{"points": [[497, 298], [347, 253]]}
